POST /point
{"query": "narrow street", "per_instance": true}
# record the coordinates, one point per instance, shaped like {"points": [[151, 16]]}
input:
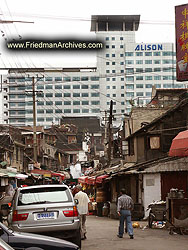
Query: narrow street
{"points": [[102, 234]]}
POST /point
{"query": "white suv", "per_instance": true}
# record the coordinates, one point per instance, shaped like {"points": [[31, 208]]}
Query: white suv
{"points": [[46, 209]]}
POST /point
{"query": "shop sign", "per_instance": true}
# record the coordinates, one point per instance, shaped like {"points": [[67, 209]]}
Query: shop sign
{"points": [[30, 167], [148, 47], [181, 22]]}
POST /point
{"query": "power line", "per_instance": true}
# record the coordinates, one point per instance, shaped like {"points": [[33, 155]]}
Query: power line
{"points": [[85, 19], [35, 143]]}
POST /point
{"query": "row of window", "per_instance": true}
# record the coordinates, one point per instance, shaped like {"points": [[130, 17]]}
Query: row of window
{"points": [[113, 87], [164, 61], [85, 86], [140, 78], [22, 96], [54, 95], [141, 70], [131, 70], [65, 111], [39, 111], [156, 53], [121, 46], [56, 79], [114, 71], [149, 86], [130, 62], [113, 38], [57, 103], [114, 95]]}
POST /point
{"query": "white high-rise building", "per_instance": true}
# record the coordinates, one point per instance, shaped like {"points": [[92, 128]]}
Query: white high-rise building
{"points": [[59, 92], [115, 32], [128, 70], [125, 73]]}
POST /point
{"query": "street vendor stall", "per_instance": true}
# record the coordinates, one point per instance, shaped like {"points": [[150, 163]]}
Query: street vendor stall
{"points": [[95, 187], [178, 215]]}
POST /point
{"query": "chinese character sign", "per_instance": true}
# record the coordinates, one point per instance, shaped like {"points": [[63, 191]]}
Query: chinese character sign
{"points": [[181, 15]]}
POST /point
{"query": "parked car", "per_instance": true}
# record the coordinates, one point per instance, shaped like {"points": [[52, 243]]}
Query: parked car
{"points": [[4, 199], [46, 209], [29, 241], [4, 245]]}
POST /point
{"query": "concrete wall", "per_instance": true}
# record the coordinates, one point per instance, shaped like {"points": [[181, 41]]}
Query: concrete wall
{"points": [[152, 189]]}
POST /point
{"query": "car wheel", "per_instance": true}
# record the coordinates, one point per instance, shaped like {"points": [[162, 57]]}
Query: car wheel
{"points": [[77, 239]]}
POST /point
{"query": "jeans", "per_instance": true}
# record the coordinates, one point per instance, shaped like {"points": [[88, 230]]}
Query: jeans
{"points": [[125, 216], [83, 225]]}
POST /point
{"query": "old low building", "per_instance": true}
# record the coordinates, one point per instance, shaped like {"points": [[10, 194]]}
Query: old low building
{"points": [[11, 147], [91, 133], [149, 146], [48, 155], [147, 172]]}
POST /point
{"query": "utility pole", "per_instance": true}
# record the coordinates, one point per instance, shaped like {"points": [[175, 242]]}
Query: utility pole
{"points": [[110, 132], [105, 133], [34, 122], [105, 119]]}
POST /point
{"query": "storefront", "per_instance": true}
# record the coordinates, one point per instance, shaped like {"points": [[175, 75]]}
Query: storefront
{"points": [[97, 189]]}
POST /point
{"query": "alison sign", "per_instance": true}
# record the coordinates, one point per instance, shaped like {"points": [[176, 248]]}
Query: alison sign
{"points": [[181, 20], [148, 47]]}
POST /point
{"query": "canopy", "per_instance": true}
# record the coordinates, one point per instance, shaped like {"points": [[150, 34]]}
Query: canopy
{"points": [[82, 179], [179, 146], [91, 180], [101, 178], [11, 174], [21, 176], [3, 163]]}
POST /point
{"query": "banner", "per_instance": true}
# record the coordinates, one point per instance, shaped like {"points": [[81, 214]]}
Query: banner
{"points": [[181, 22]]}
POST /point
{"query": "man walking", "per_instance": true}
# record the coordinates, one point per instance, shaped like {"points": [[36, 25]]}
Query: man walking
{"points": [[82, 206], [124, 207]]}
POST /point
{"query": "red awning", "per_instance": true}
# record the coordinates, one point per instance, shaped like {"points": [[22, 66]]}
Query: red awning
{"points": [[91, 180], [58, 174], [83, 179], [179, 146], [101, 178]]}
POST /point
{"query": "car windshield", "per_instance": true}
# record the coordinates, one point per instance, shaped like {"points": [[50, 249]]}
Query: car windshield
{"points": [[43, 195]]}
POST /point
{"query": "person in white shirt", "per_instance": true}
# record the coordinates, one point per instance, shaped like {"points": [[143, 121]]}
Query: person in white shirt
{"points": [[9, 190], [82, 207]]}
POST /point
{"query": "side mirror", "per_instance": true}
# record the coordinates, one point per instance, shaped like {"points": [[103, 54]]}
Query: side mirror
{"points": [[76, 201]]}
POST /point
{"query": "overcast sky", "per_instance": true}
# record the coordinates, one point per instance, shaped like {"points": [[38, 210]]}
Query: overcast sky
{"points": [[59, 18]]}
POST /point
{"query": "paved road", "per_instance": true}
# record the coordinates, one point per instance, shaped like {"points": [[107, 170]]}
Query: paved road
{"points": [[102, 234]]}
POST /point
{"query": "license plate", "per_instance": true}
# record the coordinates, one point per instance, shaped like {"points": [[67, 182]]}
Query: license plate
{"points": [[47, 215]]}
